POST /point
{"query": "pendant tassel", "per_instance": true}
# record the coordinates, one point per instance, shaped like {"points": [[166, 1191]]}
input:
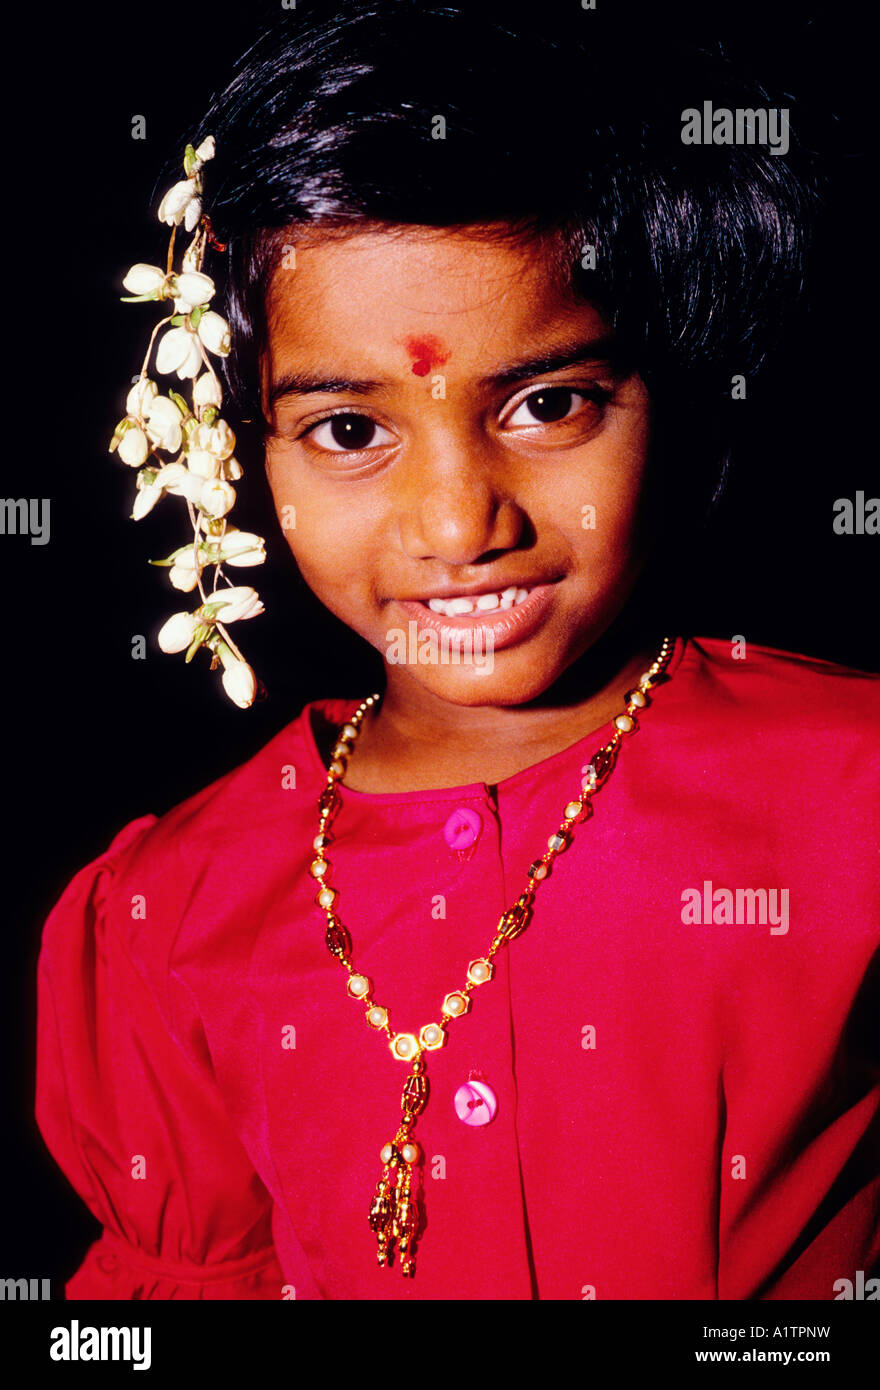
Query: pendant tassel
{"points": [[396, 1214]]}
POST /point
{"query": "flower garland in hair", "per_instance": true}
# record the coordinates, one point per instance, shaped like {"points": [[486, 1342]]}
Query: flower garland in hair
{"points": [[184, 448]]}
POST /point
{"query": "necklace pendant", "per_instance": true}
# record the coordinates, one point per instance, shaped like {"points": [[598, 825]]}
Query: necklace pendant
{"points": [[396, 1213]]}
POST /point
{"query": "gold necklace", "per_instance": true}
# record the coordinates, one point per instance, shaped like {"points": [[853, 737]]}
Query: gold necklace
{"points": [[395, 1210]]}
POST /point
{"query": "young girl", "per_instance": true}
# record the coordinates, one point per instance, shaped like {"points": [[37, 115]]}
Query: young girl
{"points": [[542, 973]]}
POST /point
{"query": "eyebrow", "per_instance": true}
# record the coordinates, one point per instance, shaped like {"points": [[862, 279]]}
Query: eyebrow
{"points": [[603, 349]]}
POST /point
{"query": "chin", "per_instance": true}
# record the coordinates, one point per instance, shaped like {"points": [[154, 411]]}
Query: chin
{"points": [[472, 687]]}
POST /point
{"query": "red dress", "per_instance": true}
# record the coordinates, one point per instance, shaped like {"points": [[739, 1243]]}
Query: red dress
{"points": [[687, 1083]]}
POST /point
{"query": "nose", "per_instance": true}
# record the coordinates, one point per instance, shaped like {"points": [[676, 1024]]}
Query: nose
{"points": [[455, 510]]}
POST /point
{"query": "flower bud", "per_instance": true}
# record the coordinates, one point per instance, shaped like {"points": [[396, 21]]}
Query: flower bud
{"points": [[139, 397], [206, 150], [144, 279], [237, 603], [239, 681], [242, 548], [216, 497], [184, 574], [214, 333], [176, 634], [207, 391], [192, 288], [134, 447]]}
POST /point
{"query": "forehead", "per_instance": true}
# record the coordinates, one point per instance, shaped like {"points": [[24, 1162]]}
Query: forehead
{"points": [[380, 295]]}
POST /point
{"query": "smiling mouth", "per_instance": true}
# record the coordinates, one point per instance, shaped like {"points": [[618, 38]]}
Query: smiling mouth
{"points": [[485, 605], [504, 617]]}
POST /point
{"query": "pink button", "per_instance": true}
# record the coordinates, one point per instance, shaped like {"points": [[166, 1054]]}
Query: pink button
{"points": [[462, 828], [475, 1103]]}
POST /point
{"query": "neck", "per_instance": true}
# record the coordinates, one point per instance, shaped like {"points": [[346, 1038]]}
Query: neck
{"points": [[418, 742]]}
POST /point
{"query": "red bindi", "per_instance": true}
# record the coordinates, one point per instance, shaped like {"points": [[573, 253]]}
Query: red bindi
{"points": [[426, 352]]}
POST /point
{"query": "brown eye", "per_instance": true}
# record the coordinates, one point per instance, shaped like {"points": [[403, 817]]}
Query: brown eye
{"points": [[349, 432], [545, 407]]}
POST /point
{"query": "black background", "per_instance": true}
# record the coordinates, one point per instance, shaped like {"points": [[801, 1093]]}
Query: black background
{"points": [[93, 738]]}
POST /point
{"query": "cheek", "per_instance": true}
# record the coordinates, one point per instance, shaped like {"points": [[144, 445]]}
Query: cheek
{"points": [[331, 536]]}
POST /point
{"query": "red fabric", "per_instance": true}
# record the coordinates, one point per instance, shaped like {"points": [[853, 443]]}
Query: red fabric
{"points": [[173, 963]]}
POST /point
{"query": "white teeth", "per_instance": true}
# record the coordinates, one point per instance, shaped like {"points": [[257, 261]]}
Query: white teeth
{"points": [[483, 603]]}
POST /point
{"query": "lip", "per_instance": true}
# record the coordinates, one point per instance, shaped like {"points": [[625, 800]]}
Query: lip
{"points": [[499, 630]]}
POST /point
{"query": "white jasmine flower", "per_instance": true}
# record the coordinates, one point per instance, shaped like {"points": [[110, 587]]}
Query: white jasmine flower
{"points": [[134, 447], [179, 197], [149, 492], [178, 351], [230, 470], [184, 573], [138, 397], [144, 279], [192, 214], [154, 484], [204, 464], [214, 333], [206, 150], [177, 633], [216, 497], [218, 439], [180, 482], [238, 603], [239, 681], [242, 548], [207, 391], [163, 424], [192, 288]]}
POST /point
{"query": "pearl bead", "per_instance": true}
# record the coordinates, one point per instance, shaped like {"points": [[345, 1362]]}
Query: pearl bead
{"points": [[624, 723], [326, 897], [387, 1153], [410, 1153], [337, 767], [319, 868], [557, 842], [319, 842], [635, 697], [349, 731], [572, 809], [404, 1046], [432, 1036], [479, 971], [377, 1017], [455, 1004], [538, 870], [358, 986], [645, 680]]}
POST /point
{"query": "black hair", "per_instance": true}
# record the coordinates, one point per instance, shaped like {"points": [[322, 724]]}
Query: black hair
{"points": [[558, 120]]}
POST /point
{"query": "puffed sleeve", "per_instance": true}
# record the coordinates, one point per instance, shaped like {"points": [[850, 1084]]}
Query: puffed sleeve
{"points": [[137, 1124]]}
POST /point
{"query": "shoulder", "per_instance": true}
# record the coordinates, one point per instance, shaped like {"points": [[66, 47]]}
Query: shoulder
{"points": [[753, 688], [163, 880], [789, 739]]}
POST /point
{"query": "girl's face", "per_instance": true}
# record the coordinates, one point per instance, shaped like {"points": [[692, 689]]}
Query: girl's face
{"points": [[447, 422]]}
